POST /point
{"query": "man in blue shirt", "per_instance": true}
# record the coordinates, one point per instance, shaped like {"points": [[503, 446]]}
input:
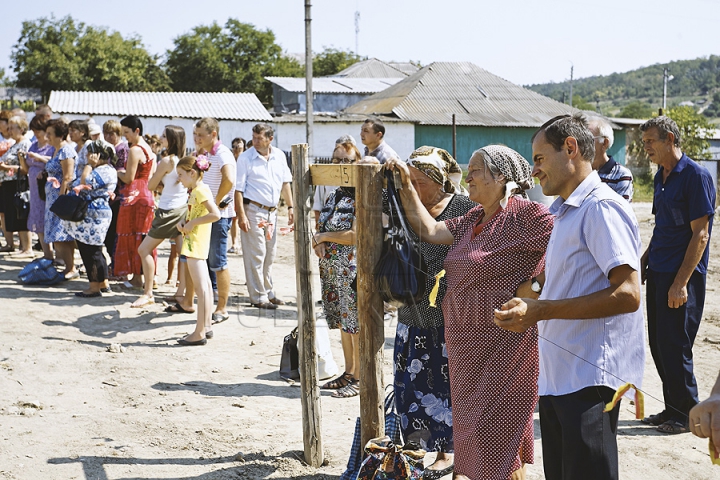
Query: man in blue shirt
{"points": [[616, 176], [675, 266]]}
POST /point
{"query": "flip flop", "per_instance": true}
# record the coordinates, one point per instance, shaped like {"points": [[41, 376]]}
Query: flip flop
{"points": [[219, 317], [673, 427], [148, 300], [177, 308]]}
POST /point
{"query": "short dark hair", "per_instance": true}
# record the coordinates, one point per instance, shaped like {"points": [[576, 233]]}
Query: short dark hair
{"points": [[59, 126], [237, 140], [559, 128], [37, 123], [132, 122], [265, 129], [377, 125], [664, 125], [176, 140], [81, 126]]}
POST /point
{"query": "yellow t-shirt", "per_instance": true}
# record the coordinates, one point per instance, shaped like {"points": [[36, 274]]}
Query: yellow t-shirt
{"points": [[196, 244]]}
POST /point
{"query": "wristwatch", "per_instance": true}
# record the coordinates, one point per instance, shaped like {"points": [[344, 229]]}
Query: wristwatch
{"points": [[535, 285]]}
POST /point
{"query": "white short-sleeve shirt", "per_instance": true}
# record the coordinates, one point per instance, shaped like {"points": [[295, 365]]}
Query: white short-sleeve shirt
{"points": [[595, 231], [219, 157], [261, 180]]}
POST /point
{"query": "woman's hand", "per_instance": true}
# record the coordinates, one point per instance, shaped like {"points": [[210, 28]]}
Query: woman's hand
{"points": [[397, 165], [318, 245], [184, 228], [93, 159]]}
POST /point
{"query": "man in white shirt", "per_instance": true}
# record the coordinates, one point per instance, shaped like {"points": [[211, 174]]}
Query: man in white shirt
{"points": [[220, 177], [262, 175], [588, 314]]}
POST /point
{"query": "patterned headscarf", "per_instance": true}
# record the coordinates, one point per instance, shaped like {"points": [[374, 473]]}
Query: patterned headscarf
{"points": [[439, 166], [513, 166]]}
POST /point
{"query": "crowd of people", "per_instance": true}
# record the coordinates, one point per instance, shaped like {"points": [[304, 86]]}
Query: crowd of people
{"points": [[537, 305]]}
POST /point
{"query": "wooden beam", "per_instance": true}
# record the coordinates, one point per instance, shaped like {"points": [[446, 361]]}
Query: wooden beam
{"points": [[368, 211], [310, 398], [334, 175]]}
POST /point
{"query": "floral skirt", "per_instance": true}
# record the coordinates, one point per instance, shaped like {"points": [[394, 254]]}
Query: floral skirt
{"points": [[422, 387], [339, 291]]}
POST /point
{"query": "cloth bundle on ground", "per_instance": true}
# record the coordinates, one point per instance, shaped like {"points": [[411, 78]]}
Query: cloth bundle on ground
{"points": [[400, 272], [386, 460], [40, 272]]}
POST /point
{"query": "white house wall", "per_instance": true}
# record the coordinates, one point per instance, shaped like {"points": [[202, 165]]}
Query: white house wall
{"points": [[400, 136]]}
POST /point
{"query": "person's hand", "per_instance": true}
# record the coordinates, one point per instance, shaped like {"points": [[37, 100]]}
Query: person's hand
{"points": [[518, 314], [368, 161], [644, 266], [524, 290], [93, 159], [677, 295], [185, 228], [291, 216], [319, 249], [395, 164], [243, 223], [705, 419]]}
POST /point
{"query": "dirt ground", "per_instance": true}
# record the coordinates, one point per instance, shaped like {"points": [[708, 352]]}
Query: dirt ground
{"points": [[69, 409]]}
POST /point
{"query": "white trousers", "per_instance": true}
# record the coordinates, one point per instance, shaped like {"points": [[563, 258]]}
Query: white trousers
{"points": [[259, 254]]}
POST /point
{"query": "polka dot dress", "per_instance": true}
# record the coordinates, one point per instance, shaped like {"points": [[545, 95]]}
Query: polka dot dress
{"points": [[493, 372]]}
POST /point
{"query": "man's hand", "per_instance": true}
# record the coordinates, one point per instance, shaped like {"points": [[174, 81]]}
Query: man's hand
{"points": [[291, 216], [705, 419], [518, 314], [243, 223], [644, 266], [677, 295]]}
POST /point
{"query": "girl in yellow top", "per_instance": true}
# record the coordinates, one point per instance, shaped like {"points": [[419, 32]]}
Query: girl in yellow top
{"points": [[196, 242]]}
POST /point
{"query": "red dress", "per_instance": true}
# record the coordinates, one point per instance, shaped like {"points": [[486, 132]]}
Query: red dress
{"points": [[134, 219], [493, 372]]}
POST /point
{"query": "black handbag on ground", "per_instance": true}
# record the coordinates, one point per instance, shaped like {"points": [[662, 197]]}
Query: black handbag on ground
{"points": [[401, 272], [41, 181], [22, 198], [290, 358], [70, 207]]}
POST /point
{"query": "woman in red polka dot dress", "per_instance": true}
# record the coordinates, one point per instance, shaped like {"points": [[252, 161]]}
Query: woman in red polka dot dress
{"points": [[493, 373]]}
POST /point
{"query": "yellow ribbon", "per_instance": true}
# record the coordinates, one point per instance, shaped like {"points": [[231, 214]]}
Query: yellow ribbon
{"points": [[639, 400], [714, 454], [434, 292]]}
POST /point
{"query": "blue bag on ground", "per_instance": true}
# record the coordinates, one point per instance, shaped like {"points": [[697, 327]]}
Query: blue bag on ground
{"points": [[40, 272], [392, 430]]}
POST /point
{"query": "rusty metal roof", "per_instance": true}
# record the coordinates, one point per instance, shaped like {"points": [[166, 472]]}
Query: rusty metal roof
{"points": [[374, 68], [335, 85], [222, 106], [476, 97]]}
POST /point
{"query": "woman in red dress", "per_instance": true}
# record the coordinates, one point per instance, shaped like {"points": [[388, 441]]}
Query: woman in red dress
{"points": [[495, 247], [137, 207]]}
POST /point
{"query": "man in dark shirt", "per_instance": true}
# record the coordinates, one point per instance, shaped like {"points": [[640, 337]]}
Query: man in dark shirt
{"points": [[675, 266], [372, 135]]}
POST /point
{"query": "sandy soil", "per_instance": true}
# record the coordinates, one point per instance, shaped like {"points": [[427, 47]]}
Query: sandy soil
{"points": [[69, 409]]}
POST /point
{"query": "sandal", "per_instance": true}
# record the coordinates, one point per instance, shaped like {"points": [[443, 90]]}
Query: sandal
{"points": [[656, 420], [672, 427], [177, 308], [143, 301], [337, 383], [352, 389]]}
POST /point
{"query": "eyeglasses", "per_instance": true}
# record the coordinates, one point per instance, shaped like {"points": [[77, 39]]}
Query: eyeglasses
{"points": [[342, 160]]}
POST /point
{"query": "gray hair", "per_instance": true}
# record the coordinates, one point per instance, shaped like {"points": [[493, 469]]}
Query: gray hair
{"points": [[603, 127], [664, 125], [345, 139]]}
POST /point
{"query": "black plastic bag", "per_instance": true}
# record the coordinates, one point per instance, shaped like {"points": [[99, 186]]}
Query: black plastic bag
{"points": [[290, 358], [22, 198], [70, 207], [401, 272]]}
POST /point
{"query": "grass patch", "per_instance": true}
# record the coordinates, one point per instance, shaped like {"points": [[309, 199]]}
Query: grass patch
{"points": [[643, 188]]}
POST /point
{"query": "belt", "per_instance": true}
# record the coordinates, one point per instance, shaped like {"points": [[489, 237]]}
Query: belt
{"points": [[253, 202]]}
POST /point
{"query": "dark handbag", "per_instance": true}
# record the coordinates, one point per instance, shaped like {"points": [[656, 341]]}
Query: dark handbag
{"points": [[387, 460], [401, 272], [41, 181], [392, 430], [290, 358], [70, 207], [22, 198]]}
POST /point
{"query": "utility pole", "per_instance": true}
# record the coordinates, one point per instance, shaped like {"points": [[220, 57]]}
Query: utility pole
{"points": [[666, 79], [571, 84], [308, 78], [357, 32]]}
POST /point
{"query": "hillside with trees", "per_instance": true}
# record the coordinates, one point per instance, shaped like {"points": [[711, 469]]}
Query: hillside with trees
{"points": [[638, 93]]}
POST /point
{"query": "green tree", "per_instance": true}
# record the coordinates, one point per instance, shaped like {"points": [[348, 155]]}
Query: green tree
{"points": [[582, 104], [637, 109], [231, 58], [62, 54], [695, 131], [332, 60], [713, 110]]}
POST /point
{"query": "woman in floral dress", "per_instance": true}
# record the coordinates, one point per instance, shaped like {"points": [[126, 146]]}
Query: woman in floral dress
{"points": [[335, 245]]}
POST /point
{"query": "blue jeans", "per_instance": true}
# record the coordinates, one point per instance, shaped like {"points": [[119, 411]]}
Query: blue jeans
{"points": [[671, 333], [217, 258]]}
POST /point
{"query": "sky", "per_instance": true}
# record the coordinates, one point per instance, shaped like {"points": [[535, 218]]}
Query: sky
{"points": [[524, 41]]}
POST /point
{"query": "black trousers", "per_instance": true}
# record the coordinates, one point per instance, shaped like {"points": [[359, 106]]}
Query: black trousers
{"points": [[671, 333], [8, 189], [94, 261], [111, 236], [579, 440]]}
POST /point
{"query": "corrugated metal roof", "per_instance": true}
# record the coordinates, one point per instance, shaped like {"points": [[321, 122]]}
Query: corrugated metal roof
{"points": [[222, 106], [405, 67], [373, 68], [335, 85], [477, 97]]}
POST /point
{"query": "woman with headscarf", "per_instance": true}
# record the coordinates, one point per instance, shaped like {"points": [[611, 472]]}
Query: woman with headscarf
{"points": [[422, 385], [495, 247]]}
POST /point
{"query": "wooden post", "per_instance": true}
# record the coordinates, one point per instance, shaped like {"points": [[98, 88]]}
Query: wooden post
{"points": [[310, 398], [368, 212]]}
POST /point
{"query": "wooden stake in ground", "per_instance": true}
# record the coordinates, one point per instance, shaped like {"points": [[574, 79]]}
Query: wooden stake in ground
{"points": [[310, 398]]}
